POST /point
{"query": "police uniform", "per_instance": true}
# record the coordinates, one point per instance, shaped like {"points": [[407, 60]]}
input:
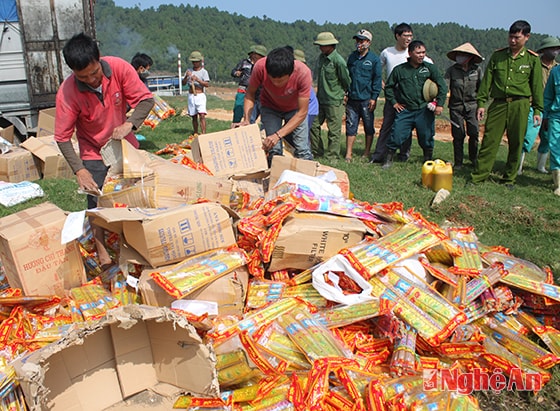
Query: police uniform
{"points": [[514, 84]]}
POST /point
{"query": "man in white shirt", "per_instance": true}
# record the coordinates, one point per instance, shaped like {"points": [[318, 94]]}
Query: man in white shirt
{"points": [[390, 58]]}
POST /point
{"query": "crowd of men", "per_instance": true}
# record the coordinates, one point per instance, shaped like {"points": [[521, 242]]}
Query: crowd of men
{"points": [[508, 95]]}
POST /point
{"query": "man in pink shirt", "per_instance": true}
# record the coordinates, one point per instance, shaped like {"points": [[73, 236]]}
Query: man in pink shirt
{"points": [[93, 101], [285, 88]]}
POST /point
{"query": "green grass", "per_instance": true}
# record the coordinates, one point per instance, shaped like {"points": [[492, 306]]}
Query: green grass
{"points": [[526, 220]]}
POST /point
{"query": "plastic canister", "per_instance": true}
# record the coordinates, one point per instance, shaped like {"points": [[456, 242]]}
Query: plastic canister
{"points": [[442, 176], [427, 169]]}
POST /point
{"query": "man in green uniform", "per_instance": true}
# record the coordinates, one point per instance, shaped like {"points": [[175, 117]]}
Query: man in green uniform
{"points": [[414, 103], [332, 82], [513, 78]]}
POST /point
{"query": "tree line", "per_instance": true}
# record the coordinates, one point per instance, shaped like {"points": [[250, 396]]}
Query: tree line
{"points": [[224, 38]]}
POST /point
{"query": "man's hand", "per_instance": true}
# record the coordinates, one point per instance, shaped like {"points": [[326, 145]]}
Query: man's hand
{"points": [[122, 131], [371, 105], [438, 110], [398, 107], [85, 181], [270, 141], [480, 113], [536, 120]]}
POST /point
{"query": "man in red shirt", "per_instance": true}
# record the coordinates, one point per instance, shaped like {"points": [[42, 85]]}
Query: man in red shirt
{"points": [[286, 86], [93, 101]]}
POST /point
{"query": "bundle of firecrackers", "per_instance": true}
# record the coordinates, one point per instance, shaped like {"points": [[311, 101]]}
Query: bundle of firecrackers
{"points": [[160, 111], [439, 301]]}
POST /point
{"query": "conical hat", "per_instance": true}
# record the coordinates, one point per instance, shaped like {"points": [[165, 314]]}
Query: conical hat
{"points": [[466, 48], [430, 90]]}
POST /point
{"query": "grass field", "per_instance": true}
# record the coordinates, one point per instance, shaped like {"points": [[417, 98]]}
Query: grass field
{"points": [[526, 220]]}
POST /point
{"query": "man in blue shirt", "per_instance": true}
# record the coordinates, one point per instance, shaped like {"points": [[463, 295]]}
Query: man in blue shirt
{"points": [[365, 72]]}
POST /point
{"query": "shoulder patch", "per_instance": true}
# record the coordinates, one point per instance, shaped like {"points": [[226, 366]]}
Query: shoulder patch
{"points": [[534, 53]]}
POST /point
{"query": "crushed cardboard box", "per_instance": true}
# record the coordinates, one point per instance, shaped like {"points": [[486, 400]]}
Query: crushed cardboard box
{"points": [[307, 239], [32, 254], [18, 165], [230, 152], [162, 183], [227, 292], [7, 133], [50, 161], [309, 167], [165, 236], [99, 365]]}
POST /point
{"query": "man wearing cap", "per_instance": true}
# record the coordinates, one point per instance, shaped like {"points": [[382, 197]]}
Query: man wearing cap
{"points": [[196, 81], [285, 87], [463, 79], [548, 50], [365, 72], [333, 80], [390, 58], [417, 91], [513, 79], [242, 71]]}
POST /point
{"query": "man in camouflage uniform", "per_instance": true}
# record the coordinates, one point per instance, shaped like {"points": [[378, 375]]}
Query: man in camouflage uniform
{"points": [[513, 78]]}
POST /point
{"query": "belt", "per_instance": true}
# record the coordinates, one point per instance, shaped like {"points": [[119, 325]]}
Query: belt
{"points": [[510, 99]]}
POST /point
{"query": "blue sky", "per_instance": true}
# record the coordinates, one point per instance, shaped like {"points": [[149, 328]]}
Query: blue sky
{"points": [[543, 15]]}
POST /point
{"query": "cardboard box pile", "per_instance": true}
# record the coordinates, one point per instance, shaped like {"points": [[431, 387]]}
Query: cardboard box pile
{"points": [[332, 304]]}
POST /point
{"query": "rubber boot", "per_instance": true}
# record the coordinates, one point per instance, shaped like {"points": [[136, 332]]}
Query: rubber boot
{"points": [[520, 169], [388, 160], [556, 179], [541, 162], [428, 154]]}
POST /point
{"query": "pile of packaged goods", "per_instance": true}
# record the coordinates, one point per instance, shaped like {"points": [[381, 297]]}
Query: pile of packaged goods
{"points": [[309, 300]]}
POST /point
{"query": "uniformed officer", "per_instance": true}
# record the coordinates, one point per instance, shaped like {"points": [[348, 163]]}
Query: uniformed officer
{"points": [[513, 78]]}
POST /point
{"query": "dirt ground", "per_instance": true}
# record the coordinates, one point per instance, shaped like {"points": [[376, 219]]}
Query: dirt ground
{"points": [[443, 128]]}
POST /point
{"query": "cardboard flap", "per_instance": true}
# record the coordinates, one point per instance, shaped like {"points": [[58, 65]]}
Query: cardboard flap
{"points": [[233, 151], [309, 167], [136, 163], [135, 347]]}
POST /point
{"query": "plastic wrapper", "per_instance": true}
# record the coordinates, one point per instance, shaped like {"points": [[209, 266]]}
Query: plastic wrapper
{"points": [[519, 344], [312, 338], [549, 335], [199, 270], [486, 279], [337, 280], [469, 261], [342, 315], [16, 193], [369, 258], [518, 267], [403, 360], [93, 300]]}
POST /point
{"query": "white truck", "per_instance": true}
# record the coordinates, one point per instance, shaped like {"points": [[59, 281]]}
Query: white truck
{"points": [[31, 62]]}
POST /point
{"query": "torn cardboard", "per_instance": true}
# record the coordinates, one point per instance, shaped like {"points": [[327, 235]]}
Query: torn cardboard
{"points": [[165, 236], [32, 255], [49, 160], [309, 167], [133, 349], [227, 291], [229, 152], [307, 239], [18, 165]]}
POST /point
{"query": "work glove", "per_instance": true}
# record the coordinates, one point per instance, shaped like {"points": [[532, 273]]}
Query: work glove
{"points": [[432, 106]]}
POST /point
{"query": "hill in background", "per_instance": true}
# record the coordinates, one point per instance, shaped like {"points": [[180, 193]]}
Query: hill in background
{"points": [[224, 38]]}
